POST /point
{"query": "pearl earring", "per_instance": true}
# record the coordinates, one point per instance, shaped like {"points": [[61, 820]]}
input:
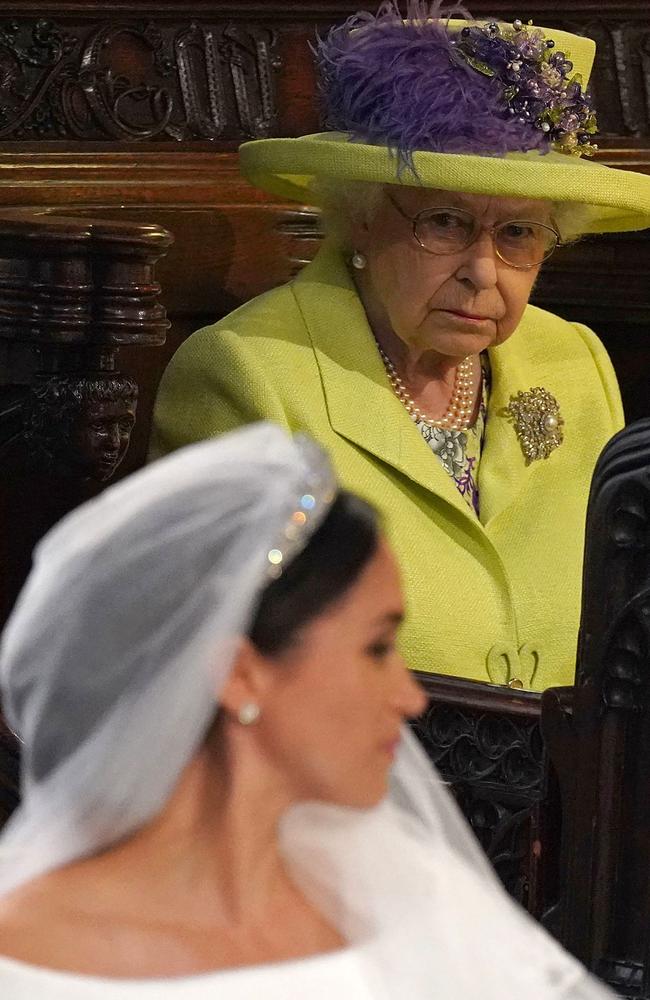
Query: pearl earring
{"points": [[248, 713], [359, 260]]}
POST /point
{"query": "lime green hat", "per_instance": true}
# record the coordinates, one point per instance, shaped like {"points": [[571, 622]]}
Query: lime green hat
{"points": [[473, 106]]}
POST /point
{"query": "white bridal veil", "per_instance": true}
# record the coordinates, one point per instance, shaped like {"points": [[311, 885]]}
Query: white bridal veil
{"points": [[111, 667]]}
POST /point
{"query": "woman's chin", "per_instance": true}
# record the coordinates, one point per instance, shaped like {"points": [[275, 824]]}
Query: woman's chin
{"points": [[456, 338], [363, 796], [472, 342]]}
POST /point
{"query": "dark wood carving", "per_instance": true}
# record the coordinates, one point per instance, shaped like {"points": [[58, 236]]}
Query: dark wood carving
{"points": [[72, 294], [81, 423], [486, 743], [134, 80], [599, 739]]}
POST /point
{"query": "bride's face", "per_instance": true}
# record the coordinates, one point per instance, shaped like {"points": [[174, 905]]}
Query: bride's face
{"points": [[332, 712]]}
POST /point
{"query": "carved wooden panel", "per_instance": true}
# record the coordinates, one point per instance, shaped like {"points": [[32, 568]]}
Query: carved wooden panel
{"points": [[130, 80], [600, 741], [486, 743], [72, 292]]}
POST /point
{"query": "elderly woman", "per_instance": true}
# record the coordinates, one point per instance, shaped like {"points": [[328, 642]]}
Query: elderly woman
{"points": [[205, 770], [408, 348]]}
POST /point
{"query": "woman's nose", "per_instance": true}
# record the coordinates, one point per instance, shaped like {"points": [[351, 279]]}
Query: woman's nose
{"points": [[412, 700], [479, 265]]}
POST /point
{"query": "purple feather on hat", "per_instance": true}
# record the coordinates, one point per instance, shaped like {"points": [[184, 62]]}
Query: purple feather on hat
{"points": [[402, 83]]}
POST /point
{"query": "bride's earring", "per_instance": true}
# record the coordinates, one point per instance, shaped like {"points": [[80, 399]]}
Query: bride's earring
{"points": [[248, 713], [359, 260]]}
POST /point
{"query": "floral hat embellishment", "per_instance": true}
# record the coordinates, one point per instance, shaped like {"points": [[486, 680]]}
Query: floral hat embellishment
{"points": [[537, 421], [426, 83], [539, 87]]}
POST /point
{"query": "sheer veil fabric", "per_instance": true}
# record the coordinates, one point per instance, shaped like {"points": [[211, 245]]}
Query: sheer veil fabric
{"points": [[113, 659], [111, 667]]}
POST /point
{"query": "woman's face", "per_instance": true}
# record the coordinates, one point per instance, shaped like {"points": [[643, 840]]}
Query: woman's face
{"points": [[420, 295], [334, 703]]}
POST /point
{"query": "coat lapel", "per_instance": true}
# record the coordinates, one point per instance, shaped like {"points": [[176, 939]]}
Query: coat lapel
{"points": [[517, 365], [360, 402], [502, 469]]}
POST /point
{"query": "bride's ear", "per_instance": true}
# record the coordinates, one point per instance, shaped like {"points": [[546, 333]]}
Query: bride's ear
{"points": [[248, 680]]}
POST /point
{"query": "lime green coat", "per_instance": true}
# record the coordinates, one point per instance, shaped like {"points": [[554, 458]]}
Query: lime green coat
{"points": [[492, 600]]}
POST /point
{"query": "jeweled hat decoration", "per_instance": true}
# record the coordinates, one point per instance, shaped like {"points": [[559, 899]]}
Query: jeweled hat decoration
{"points": [[484, 88], [540, 89]]}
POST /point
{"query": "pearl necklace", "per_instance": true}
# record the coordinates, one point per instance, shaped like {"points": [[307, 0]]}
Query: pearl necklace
{"points": [[458, 414]]}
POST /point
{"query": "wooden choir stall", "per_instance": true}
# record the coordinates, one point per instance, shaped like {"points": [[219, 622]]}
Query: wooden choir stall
{"points": [[125, 225]]}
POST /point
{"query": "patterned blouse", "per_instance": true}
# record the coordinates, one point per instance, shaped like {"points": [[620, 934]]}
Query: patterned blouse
{"points": [[459, 452]]}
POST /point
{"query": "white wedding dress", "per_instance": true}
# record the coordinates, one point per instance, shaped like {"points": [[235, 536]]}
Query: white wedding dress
{"points": [[342, 974]]}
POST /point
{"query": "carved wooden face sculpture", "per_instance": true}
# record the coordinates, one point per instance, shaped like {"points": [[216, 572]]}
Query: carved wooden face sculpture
{"points": [[81, 426], [100, 436]]}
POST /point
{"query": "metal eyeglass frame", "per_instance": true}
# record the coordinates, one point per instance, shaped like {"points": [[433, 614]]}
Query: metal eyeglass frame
{"points": [[413, 219]]}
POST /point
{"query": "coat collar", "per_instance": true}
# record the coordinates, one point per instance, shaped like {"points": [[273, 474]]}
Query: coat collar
{"points": [[502, 469], [363, 409]]}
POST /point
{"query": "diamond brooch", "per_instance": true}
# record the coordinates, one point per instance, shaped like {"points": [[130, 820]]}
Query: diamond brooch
{"points": [[535, 416]]}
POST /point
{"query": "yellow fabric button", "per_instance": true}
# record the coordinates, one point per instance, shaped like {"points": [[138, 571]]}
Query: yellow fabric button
{"points": [[515, 668]]}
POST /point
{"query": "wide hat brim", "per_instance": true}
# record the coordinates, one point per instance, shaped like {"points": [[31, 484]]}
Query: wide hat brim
{"points": [[612, 200]]}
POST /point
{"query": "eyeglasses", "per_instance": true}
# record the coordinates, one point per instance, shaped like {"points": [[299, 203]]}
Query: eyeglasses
{"points": [[519, 243]]}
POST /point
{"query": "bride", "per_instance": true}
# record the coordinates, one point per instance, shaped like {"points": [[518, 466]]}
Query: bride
{"points": [[219, 795]]}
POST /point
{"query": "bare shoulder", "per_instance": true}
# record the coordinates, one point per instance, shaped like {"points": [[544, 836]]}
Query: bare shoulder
{"points": [[37, 925]]}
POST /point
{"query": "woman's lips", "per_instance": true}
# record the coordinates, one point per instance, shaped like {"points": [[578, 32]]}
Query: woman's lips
{"points": [[468, 317]]}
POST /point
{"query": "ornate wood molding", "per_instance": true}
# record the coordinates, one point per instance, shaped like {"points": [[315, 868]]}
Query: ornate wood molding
{"points": [[599, 740], [486, 743], [130, 80], [71, 293]]}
